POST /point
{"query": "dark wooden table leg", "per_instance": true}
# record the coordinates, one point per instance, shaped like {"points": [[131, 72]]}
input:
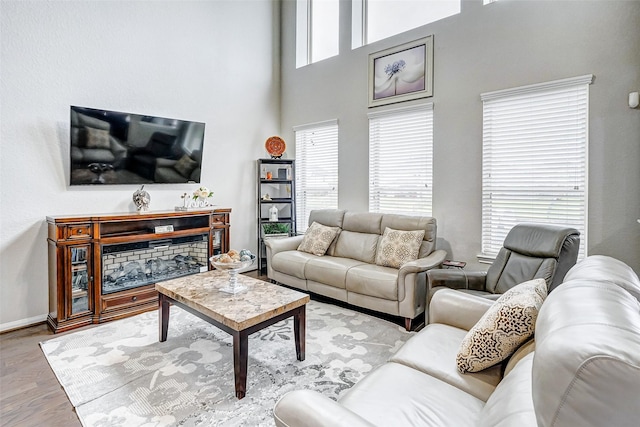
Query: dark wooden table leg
{"points": [[240, 359], [299, 331], [163, 309]]}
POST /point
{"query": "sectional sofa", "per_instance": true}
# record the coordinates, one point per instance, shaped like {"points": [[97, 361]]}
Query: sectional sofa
{"points": [[351, 269], [582, 368]]}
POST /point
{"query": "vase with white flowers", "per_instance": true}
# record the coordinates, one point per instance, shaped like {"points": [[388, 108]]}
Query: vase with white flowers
{"points": [[200, 198]]}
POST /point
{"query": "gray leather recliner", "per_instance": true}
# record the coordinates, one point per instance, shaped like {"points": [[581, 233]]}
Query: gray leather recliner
{"points": [[530, 251]]}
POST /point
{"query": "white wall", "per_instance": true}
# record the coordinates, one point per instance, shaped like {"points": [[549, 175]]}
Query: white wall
{"points": [[485, 48], [210, 61]]}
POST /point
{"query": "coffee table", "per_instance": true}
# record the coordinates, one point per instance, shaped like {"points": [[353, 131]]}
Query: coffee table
{"points": [[240, 315]]}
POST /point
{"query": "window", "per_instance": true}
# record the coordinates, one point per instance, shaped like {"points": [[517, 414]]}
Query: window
{"points": [[316, 169], [317, 30], [374, 20], [401, 160], [534, 166]]}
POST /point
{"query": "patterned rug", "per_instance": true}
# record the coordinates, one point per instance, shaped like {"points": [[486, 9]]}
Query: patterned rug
{"points": [[118, 374]]}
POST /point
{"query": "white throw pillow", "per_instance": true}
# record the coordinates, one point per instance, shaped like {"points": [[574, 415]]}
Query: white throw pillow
{"points": [[503, 328]]}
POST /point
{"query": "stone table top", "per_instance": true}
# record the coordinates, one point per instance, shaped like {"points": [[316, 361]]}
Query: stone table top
{"points": [[261, 301]]}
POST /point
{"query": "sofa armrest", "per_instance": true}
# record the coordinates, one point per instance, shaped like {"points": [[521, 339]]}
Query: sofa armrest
{"points": [[283, 244], [456, 279], [458, 309], [117, 147], [119, 152], [434, 259], [307, 408]]}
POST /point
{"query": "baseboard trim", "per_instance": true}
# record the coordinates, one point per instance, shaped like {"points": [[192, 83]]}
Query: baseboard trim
{"points": [[22, 323]]}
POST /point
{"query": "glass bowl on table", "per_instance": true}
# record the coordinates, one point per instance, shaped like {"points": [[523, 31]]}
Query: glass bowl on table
{"points": [[232, 267]]}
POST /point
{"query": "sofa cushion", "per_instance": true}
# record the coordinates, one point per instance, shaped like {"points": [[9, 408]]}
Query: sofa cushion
{"points": [[355, 245], [408, 223], [92, 122], [329, 270], [76, 154], [329, 217], [98, 138], [511, 268], [511, 403], [601, 267], [363, 222], [291, 263], [507, 324], [91, 155], [398, 247], [586, 369], [522, 351], [396, 395], [373, 280], [433, 351], [317, 239]]}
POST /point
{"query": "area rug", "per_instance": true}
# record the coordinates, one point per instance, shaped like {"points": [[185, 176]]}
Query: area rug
{"points": [[118, 374]]}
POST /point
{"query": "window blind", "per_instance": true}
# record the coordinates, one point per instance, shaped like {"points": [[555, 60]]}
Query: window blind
{"points": [[316, 169], [401, 160], [534, 166]]}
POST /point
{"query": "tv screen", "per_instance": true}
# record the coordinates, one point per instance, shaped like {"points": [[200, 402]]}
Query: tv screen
{"points": [[111, 147]]}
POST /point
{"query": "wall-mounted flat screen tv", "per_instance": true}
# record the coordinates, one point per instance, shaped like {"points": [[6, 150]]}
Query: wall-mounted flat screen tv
{"points": [[111, 147]]}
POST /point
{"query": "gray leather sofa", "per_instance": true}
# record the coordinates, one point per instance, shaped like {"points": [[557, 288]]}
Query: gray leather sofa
{"points": [[583, 369], [347, 272]]}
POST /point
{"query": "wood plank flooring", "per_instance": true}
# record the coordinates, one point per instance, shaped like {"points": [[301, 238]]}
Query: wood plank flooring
{"points": [[30, 394]]}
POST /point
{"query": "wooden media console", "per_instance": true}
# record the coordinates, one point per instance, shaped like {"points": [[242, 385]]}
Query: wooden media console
{"points": [[104, 267]]}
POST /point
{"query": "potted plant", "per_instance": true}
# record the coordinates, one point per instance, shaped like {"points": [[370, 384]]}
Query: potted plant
{"points": [[275, 229]]}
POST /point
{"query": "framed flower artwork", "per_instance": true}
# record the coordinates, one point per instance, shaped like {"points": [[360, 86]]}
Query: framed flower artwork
{"points": [[401, 73]]}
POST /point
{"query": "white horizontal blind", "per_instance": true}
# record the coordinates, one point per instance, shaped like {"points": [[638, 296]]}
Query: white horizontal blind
{"points": [[535, 159], [401, 160], [316, 169]]}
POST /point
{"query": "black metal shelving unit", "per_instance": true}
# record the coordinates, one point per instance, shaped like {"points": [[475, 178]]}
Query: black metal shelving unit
{"points": [[276, 187]]}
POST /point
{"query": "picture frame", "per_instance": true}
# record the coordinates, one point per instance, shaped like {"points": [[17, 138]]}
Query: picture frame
{"points": [[401, 73]]}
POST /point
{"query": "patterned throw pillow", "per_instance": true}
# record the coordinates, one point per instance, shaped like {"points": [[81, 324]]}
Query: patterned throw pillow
{"points": [[398, 247], [98, 138], [503, 328], [185, 166], [318, 238]]}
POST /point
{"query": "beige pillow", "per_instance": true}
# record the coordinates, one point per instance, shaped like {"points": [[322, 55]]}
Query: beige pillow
{"points": [[318, 238], [185, 166], [98, 138], [398, 247], [505, 325]]}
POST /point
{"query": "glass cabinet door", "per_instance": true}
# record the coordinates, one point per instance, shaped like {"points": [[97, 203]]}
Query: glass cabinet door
{"points": [[217, 241], [79, 295]]}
